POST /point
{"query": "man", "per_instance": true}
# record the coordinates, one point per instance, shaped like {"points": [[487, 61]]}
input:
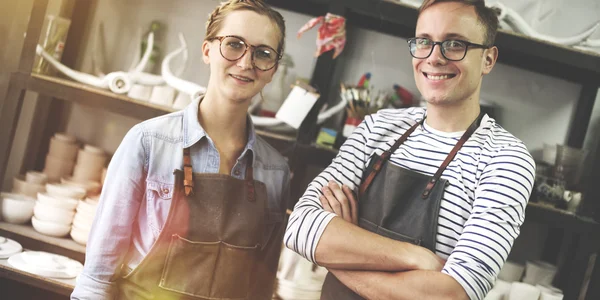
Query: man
{"points": [[442, 190]]}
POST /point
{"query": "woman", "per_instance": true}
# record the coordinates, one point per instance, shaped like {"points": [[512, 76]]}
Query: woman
{"points": [[194, 202]]}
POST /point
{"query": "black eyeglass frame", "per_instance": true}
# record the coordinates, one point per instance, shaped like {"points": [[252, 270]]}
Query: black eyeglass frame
{"points": [[467, 43], [248, 45]]}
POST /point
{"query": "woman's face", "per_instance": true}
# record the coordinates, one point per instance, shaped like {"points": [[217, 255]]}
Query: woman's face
{"points": [[239, 80]]}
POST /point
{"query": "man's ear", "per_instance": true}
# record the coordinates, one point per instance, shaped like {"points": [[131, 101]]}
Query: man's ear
{"points": [[490, 56], [205, 52]]}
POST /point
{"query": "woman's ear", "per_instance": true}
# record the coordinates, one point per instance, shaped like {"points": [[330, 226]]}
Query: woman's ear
{"points": [[206, 51]]}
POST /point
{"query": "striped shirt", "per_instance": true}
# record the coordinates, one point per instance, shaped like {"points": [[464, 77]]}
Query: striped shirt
{"points": [[483, 207]]}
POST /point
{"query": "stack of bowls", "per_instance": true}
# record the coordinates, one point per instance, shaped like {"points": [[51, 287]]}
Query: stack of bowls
{"points": [[30, 185], [90, 162], [82, 223], [54, 211], [16, 208], [61, 157], [297, 278]]}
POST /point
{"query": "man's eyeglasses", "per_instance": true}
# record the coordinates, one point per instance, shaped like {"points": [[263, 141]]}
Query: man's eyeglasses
{"points": [[453, 50], [233, 48]]}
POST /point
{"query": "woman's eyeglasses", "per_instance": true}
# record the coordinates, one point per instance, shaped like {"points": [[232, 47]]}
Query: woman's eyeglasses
{"points": [[233, 48]]}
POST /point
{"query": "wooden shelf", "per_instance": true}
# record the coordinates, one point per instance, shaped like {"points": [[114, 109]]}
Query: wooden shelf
{"points": [[33, 240], [72, 91], [28, 231], [90, 96], [59, 286], [546, 213]]}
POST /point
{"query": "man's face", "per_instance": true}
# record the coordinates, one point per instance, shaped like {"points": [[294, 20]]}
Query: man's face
{"points": [[445, 82]]}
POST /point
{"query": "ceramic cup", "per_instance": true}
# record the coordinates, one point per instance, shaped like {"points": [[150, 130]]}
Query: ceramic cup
{"points": [[511, 272], [140, 92], [523, 291], [539, 272], [162, 95]]}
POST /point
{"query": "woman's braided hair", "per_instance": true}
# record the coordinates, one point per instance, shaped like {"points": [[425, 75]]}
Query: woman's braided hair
{"points": [[215, 19]]}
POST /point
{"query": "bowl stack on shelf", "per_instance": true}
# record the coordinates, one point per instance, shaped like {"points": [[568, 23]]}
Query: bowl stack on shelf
{"points": [[82, 223], [90, 163], [16, 208], [54, 211], [61, 157], [297, 278], [530, 281], [29, 185]]}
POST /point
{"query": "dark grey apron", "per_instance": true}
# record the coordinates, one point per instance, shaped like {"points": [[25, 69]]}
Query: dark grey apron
{"points": [[399, 204], [219, 243]]}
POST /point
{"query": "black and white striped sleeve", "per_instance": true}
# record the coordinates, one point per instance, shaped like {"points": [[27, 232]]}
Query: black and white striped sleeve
{"points": [[308, 220], [501, 198]]}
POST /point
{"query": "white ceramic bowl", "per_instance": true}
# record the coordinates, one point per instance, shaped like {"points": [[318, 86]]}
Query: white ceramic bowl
{"points": [[58, 202], [20, 186], [82, 222], [63, 150], [65, 191], [49, 213], [36, 177], [87, 207], [16, 209], [93, 149], [65, 137], [80, 235], [50, 228], [91, 187]]}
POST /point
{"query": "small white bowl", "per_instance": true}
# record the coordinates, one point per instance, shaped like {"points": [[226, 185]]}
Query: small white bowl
{"points": [[65, 191], [58, 202], [20, 186], [83, 223], [93, 149], [48, 213], [91, 187], [87, 207], [36, 177], [16, 209], [79, 235], [64, 137], [50, 228]]}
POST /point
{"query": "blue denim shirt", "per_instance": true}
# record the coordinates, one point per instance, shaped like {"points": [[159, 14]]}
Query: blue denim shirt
{"points": [[138, 189]]}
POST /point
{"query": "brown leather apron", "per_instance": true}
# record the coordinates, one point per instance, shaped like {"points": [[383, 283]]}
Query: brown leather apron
{"points": [[399, 204], [220, 241]]}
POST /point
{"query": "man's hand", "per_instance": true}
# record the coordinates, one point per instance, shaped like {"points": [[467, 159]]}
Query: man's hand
{"points": [[340, 201]]}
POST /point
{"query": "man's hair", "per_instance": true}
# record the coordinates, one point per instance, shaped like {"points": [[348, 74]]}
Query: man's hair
{"points": [[487, 16]]}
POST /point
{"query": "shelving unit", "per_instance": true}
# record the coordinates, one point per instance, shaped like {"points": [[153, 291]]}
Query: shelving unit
{"points": [[384, 16]]}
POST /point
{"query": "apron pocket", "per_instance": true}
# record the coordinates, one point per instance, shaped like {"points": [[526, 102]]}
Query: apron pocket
{"points": [[372, 227], [233, 272], [397, 236], [189, 267], [214, 270]]}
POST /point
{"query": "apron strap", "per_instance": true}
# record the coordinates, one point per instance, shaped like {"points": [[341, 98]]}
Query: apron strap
{"points": [[188, 180], [451, 155], [250, 179], [384, 157], [387, 154]]}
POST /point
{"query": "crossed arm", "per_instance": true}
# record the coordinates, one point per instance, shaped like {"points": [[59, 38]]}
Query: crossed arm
{"points": [[376, 267]]}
